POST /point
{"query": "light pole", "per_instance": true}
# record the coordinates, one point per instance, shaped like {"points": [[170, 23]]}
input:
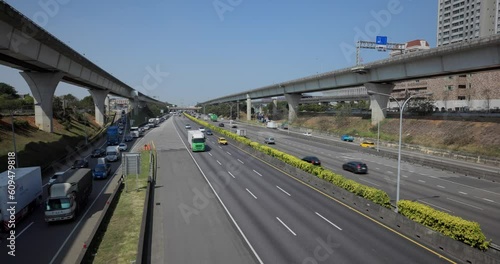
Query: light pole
{"points": [[401, 108], [14, 136]]}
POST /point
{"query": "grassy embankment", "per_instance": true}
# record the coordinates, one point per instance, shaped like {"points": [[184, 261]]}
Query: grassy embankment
{"points": [[120, 240], [38, 148]]}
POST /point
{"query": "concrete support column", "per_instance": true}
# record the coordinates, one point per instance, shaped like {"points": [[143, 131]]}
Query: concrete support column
{"points": [[378, 103], [135, 105], [275, 106], [99, 97], [249, 108], [293, 105], [43, 86], [238, 110]]}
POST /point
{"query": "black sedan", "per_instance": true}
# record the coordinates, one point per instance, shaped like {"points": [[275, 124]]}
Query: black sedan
{"points": [[78, 164], [98, 153], [313, 160], [355, 166], [221, 124]]}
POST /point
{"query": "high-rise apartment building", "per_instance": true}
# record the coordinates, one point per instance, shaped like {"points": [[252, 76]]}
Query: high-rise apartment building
{"points": [[462, 20]]}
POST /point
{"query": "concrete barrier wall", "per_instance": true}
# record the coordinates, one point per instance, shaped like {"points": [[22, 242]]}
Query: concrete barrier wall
{"points": [[397, 222]]}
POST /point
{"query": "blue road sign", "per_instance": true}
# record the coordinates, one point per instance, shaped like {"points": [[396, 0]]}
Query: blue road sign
{"points": [[381, 40]]}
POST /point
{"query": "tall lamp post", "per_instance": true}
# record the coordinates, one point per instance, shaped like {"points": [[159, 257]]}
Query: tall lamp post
{"points": [[401, 108]]}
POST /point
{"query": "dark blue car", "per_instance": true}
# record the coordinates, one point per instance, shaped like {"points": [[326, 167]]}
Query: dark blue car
{"points": [[101, 171]]}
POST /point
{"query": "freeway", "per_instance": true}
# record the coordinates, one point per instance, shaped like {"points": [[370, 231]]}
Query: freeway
{"points": [[470, 198], [61, 242], [286, 221]]}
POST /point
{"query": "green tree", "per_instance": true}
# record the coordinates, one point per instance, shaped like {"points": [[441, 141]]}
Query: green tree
{"points": [[6, 89], [87, 103]]}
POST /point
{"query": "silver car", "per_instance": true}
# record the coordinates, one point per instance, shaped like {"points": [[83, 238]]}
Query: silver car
{"points": [[269, 140]]}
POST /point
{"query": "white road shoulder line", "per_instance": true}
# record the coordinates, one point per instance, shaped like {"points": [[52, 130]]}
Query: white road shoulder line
{"points": [[433, 205], [465, 204], [291, 231]]}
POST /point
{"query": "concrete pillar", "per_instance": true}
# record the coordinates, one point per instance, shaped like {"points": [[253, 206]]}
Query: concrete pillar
{"points": [[293, 105], [249, 108], [238, 110], [43, 86], [99, 97], [378, 103], [135, 105], [275, 107]]}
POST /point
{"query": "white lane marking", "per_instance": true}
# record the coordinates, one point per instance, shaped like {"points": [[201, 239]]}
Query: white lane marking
{"points": [[463, 193], [283, 190], [422, 181], [465, 204], [241, 161], [82, 217], [251, 193], [291, 231], [257, 173], [228, 153], [377, 168], [491, 201], [324, 218], [433, 205], [361, 179], [219, 162], [390, 172], [22, 231], [209, 153], [231, 174], [223, 205], [220, 147], [405, 176], [440, 186]]}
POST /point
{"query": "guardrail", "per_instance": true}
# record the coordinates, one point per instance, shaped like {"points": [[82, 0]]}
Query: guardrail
{"points": [[145, 235]]}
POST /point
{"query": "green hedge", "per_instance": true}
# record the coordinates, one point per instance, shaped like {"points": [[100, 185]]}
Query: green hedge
{"points": [[452, 226]]}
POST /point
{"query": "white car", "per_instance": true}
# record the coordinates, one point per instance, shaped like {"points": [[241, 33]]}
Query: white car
{"points": [[307, 134], [122, 146]]}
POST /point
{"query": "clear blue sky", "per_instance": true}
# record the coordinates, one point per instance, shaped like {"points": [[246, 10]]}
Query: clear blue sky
{"points": [[216, 48]]}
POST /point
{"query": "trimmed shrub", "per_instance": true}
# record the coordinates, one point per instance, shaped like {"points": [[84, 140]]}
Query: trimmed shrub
{"points": [[455, 227]]}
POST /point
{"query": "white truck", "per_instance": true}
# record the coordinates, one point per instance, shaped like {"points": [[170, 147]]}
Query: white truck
{"points": [[112, 153], [20, 193], [272, 125], [68, 195], [241, 132]]}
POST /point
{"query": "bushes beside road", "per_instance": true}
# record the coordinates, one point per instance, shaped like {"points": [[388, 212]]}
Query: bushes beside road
{"points": [[452, 226]]}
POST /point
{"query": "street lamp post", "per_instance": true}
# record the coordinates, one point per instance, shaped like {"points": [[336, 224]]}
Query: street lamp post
{"points": [[14, 136], [401, 108]]}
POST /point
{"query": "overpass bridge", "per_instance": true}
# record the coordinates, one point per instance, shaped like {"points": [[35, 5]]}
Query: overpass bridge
{"points": [[44, 61], [481, 54]]}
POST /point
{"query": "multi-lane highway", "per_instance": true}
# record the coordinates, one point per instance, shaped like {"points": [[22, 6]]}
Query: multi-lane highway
{"points": [[470, 198], [283, 220], [38, 242]]}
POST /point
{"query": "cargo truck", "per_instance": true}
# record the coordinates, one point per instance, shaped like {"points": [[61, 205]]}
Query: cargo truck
{"points": [[213, 117], [68, 195], [196, 139], [113, 138], [20, 193]]}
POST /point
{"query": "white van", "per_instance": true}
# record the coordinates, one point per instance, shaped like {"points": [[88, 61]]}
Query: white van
{"points": [[112, 153]]}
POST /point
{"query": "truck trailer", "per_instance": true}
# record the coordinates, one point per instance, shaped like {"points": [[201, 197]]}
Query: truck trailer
{"points": [[113, 138], [196, 139], [68, 195], [20, 193]]}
